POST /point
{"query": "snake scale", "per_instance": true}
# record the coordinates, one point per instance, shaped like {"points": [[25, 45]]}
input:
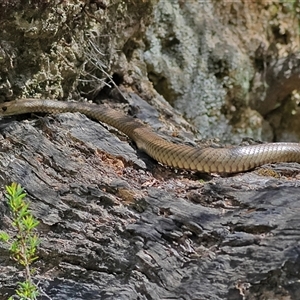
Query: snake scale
{"points": [[210, 160]]}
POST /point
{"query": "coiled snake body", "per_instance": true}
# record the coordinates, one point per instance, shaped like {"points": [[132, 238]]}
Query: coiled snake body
{"points": [[210, 160]]}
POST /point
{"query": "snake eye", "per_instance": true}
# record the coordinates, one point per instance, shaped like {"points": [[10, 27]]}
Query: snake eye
{"points": [[4, 108]]}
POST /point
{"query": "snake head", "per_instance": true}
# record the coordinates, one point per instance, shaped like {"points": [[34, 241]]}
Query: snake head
{"points": [[16, 107], [8, 108], [3, 109]]}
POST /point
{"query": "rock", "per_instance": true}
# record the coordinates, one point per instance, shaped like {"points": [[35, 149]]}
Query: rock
{"points": [[110, 229]]}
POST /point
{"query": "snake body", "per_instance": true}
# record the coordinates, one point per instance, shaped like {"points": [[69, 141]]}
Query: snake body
{"points": [[210, 160]]}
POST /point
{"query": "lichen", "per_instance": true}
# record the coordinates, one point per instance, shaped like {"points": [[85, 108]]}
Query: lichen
{"points": [[44, 44]]}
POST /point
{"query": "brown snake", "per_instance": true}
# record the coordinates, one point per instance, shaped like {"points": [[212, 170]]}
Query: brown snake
{"points": [[210, 160]]}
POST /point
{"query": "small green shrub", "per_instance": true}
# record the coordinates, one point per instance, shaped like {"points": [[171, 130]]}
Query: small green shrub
{"points": [[23, 245]]}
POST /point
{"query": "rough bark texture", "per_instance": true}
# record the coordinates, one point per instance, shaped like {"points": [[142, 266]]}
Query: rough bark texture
{"points": [[112, 229], [113, 223]]}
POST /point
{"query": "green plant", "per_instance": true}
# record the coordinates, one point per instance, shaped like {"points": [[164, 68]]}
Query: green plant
{"points": [[24, 245]]}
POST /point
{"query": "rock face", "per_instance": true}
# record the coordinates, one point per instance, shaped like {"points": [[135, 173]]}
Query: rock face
{"points": [[52, 49], [226, 66], [114, 224], [217, 62]]}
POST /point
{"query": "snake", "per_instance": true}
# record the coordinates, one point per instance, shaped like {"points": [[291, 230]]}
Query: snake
{"points": [[208, 159]]}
